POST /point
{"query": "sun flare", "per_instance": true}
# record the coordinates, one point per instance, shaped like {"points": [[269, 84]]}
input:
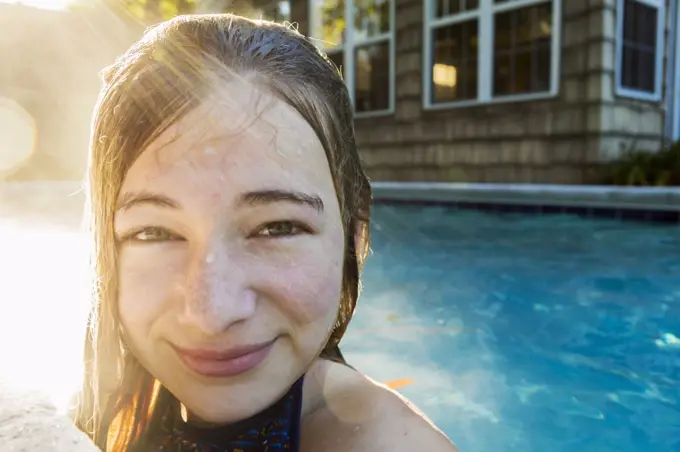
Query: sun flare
{"points": [[42, 4], [44, 307]]}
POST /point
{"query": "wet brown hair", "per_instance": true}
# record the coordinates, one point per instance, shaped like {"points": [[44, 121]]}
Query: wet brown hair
{"points": [[157, 81]]}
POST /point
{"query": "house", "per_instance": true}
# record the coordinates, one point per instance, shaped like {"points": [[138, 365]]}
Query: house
{"points": [[535, 91]]}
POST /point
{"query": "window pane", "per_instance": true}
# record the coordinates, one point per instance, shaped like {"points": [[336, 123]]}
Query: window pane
{"points": [[501, 72], [454, 66], [638, 66], [543, 69], [445, 8], [630, 64], [279, 12], [503, 32], [371, 18], [372, 77], [522, 50], [337, 58], [283, 11], [645, 75], [638, 70], [330, 24], [524, 26], [639, 23]]}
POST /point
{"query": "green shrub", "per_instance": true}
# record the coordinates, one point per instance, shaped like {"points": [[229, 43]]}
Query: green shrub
{"points": [[642, 168]]}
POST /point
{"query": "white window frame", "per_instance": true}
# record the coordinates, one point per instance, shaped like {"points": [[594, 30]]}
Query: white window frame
{"points": [[349, 47], [622, 91], [485, 15]]}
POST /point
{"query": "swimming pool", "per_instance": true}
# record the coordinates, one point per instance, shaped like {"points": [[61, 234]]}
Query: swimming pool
{"points": [[513, 332], [532, 333]]}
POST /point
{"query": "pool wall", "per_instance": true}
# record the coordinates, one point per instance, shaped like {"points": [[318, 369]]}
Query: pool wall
{"points": [[660, 204]]}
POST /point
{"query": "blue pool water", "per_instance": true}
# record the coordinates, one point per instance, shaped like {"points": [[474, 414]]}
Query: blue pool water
{"points": [[526, 333]]}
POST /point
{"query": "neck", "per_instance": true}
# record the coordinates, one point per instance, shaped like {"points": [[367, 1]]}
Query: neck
{"points": [[190, 418]]}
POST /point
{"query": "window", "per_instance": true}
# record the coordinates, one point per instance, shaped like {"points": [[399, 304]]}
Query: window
{"points": [[490, 50], [362, 48], [639, 50], [278, 12]]}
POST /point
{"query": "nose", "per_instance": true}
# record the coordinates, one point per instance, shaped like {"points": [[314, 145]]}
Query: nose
{"points": [[216, 294]]}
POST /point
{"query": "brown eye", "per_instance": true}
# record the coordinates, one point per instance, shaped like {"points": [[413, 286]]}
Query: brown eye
{"points": [[152, 234], [281, 229]]}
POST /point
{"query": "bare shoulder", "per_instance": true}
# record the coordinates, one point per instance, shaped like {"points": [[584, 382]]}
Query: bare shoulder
{"points": [[355, 413]]}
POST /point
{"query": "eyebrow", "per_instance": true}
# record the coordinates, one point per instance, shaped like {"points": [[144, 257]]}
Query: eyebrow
{"points": [[253, 198], [145, 198], [264, 197]]}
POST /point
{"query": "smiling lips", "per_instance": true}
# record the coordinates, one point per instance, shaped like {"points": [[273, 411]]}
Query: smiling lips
{"points": [[226, 362]]}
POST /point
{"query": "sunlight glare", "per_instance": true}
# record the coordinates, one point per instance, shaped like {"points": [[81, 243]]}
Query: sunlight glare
{"points": [[17, 136], [42, 4], [44, 301]]}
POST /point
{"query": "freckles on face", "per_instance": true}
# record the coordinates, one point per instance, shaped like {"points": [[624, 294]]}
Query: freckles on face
{"points": [[229, 236], [311, 283], [146, 284]]}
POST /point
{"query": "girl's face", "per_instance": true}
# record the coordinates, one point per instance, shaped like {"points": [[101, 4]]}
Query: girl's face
{"points": [[231, 252]]}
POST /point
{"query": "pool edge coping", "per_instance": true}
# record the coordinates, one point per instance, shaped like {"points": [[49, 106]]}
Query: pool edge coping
{"points": [[665, 199]]}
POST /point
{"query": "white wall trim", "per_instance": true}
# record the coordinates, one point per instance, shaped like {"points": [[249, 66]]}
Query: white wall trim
{"points": [[486, 14], [351, 44], [660, 49]]}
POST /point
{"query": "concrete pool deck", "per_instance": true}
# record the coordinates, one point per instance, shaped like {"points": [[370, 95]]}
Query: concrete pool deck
{"points": [[663, 199]]}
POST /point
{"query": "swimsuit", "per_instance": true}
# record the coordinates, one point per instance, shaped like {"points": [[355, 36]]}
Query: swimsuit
{"points": [[275, 429]]}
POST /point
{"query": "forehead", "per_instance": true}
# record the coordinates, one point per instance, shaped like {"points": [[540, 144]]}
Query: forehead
{"points": [[240, 138]]}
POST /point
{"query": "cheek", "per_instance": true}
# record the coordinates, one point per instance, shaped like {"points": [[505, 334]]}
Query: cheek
{"points": [[314, 294], [308, 288], [144, 288]]}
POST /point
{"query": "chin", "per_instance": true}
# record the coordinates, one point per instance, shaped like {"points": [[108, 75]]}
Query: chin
{"points": [[224, 404], [229, 400]]}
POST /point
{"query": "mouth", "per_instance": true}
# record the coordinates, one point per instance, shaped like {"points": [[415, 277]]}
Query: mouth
{"points": [[211, 362]]}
